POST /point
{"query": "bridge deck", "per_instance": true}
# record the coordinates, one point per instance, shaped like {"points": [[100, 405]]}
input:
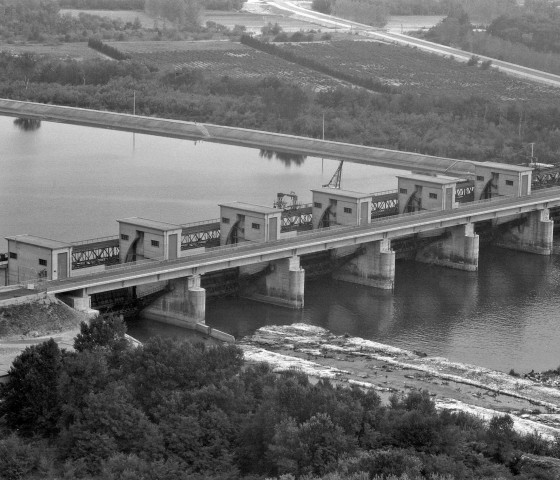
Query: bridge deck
{"points": [[238, 136], [334, 237]]}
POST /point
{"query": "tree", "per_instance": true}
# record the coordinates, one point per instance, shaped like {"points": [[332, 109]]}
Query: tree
{"points": [[110, 423], [30, 400], [107, 331]]}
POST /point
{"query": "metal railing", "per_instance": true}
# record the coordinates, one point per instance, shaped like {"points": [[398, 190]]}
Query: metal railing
{"points": [[383, 192], [201, 222], [94, 240]]}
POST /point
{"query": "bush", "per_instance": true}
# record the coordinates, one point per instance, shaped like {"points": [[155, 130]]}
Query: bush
{"points": [[473, 61]]}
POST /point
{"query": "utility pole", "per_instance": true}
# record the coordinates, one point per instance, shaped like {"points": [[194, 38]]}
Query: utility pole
{"points": [[322, 159]]}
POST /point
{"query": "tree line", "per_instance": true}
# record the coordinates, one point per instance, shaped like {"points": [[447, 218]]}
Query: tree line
{"points": [[108, 50], [172, 410]]}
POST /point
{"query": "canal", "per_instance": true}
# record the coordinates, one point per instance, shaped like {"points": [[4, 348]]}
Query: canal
{"points": [[72, 183]]}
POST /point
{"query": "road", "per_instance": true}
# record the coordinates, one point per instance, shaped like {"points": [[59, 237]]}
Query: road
{"points": [[460, 55]]}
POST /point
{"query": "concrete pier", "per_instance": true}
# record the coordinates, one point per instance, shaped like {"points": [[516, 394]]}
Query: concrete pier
{"points": [[283, 284], [533, 235], [373, 266], [459, 250], [184, 304], [78, 300]]}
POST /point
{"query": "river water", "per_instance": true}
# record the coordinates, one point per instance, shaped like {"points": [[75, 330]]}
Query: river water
{"points": [[72, 183]]}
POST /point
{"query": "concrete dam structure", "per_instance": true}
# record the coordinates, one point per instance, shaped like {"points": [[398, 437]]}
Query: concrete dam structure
{"points": [[267, 251]]}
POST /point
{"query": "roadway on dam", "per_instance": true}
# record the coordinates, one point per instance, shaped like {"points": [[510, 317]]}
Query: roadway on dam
{"points": [[230, 256]]}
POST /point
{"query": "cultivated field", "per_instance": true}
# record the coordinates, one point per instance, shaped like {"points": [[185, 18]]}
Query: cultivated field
{"points": [[420, 72], [223, 58]]}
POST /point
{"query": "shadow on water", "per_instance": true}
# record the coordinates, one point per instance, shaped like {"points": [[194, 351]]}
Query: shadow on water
{"points": [[27, 124], [287, 159]]}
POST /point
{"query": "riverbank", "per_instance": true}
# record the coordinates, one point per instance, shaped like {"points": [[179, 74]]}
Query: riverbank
{"points": [[534, 406]]}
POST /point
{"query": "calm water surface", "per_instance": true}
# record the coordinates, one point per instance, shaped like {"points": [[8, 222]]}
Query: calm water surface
{"points": [[72, 183]]}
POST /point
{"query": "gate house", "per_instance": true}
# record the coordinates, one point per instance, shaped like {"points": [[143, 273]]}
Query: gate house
{"points": [[141, 238], [33, 258], [333, 206], [241, 222], [427, 192]]}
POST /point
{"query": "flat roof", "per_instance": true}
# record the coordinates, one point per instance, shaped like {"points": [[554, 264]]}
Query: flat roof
{"points": [[39, 241], [504, 166], [342, 193], [439, 179], [147, 223], [249, 207]]}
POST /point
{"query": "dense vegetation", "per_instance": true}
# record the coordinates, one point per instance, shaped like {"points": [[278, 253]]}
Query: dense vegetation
{"points": [[541, 32], [171, 410], [526, 36]]}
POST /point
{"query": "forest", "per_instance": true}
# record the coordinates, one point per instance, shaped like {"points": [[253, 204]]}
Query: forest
{"points": [[527, 35], [541, 32], [174, 410]]}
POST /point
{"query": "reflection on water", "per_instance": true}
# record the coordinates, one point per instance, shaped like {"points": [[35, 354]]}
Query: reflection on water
{"points": [[27, 124], [287, 159]]}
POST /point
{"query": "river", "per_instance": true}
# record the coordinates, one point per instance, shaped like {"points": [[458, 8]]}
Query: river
{"points": [[72, 183]]}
